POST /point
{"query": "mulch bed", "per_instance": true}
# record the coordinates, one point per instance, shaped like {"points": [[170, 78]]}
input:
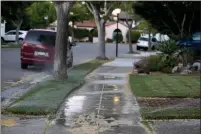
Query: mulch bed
{"points": [[169, 102]]}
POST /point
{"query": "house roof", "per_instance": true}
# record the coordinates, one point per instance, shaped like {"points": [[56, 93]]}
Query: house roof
{"points": [[92, 24]]}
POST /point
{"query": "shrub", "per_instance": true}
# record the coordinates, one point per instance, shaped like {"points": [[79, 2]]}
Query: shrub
{"points": [[135, 35], [120, 38], [81, 33], [95, 33], [168, 47], [154, 63], [108, 40]]}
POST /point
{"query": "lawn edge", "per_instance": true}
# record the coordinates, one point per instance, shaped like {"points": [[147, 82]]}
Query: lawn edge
{"points": [[81, 83]]}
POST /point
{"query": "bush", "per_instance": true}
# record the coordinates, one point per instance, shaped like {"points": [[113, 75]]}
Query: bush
{"points": [[95, 33], [108, 40], [135, 35], [81, 33], [120, 38], [168, 47], [154, 63]]}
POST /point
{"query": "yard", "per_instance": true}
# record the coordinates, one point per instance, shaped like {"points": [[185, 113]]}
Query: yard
{"points": [[167, 96]]}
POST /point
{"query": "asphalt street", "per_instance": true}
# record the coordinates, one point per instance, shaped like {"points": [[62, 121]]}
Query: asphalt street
{"points": [[10, 61]]}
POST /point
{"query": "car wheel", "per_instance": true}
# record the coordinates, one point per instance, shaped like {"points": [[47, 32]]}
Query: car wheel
{"points": [[20, 40], [153, 48], [70, 62], [24, 66], [138, 48]]}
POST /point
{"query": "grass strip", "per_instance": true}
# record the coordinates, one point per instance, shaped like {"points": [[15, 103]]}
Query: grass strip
{"points": [[165, 86], [47, 97], [11, 45], [169, 113]]}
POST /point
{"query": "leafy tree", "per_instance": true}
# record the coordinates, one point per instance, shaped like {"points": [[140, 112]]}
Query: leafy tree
{"points": [[78, 12], [175, 18], [60, 62], [38, 10], [146, 27], [101, 11], [127, 7], [14, 11]]}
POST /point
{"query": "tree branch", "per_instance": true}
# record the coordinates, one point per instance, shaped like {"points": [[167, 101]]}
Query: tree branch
{"points": [[167, 26], [190, 24], [173, 17], [182, 25], [89, 8]]}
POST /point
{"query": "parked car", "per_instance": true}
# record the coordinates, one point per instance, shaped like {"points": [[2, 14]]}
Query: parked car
{"points": [[192, 41], [38, 48], [143, 43], [11, 35]]}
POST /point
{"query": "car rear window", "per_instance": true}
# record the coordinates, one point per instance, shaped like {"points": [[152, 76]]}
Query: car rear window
{"points": [[143, 39], [41, 38]]}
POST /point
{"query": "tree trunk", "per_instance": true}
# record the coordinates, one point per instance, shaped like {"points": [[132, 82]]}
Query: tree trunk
{"points": [[101, 38], [149, 43], [60, 65], [18, 25], [130, 42]]}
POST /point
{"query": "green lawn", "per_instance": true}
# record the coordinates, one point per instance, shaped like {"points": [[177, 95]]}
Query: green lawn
{"points": [[170, 113], [47, 97], [165, 86]]}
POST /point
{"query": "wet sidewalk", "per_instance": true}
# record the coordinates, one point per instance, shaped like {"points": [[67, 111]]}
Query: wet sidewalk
{"points": [[104, 105]]}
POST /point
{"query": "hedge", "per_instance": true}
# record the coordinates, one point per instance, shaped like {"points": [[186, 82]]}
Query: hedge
{"points": [[134, 36]]}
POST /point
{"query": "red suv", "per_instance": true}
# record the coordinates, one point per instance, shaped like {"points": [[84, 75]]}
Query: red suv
{"points": [[38, 48]]}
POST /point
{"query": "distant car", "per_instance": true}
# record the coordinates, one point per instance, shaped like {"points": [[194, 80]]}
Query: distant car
{"points": [[143, 43], [38, 48], [11, 35], [192, 41]]}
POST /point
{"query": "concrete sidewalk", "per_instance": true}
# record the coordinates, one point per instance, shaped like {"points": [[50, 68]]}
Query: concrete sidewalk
{"points": [[103, 105]]}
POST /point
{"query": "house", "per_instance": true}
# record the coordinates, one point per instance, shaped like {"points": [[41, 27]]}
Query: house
{"points": [[110, 29]]}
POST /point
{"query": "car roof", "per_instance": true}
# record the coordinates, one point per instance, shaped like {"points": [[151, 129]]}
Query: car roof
{"points": [[48, 30]]}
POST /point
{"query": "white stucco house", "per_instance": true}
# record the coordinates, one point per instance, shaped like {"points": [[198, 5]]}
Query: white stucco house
{"points": [[110, 29]]}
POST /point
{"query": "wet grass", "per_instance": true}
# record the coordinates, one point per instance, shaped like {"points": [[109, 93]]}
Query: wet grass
{"points": [[170, 113], [165, 86], [47, 97]]}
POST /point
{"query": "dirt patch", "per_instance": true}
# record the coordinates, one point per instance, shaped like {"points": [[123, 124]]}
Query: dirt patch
{"points": [[168, 102]]}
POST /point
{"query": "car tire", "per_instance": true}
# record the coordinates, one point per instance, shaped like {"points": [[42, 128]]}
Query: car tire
{"points": [[24, 66], [70, 63], [138, 48], [153, 47], [20, 40]]}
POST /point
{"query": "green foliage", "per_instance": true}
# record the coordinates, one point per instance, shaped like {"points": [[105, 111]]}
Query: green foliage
{"points": [[119, 38], [38, 10], [154, 63], [167, 17], [135, 35], [168, 47], [95, 33], [109, 40], [81, 33]]}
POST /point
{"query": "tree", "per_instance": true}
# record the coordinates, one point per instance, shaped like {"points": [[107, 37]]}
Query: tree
{"points": [[127, 7], [38, 10], [60, 65], [14, 11], [78, 12], [177, 19], [146, 27], [101, 11]]}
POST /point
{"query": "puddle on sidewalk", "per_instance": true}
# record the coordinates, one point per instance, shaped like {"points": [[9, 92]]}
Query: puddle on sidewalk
{"points": [[106, 77]]}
